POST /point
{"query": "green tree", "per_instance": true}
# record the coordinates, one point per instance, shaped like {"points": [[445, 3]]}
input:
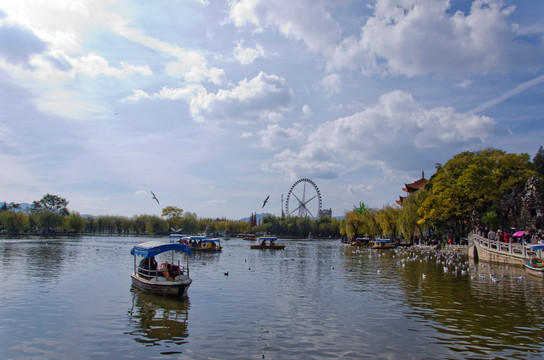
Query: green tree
{"points": [[173, 216], [361, 209], [154, 224], [409, 223], [74, 222], [190, 223], [538, 161], [51, 203], [491, 217], [387, 219], [14, 222], [469, 183]]}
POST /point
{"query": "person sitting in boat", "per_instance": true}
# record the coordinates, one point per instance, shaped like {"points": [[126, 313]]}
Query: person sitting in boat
{"points": [[263, 242], [148, 267], [271, 242], [167, 271]]}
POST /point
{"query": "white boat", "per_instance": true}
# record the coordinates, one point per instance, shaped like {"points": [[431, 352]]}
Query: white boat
{"points": [[171, 278]]}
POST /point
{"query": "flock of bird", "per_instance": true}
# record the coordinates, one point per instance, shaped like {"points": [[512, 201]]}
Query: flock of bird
{"points": [[456, 263], [452, 263]]}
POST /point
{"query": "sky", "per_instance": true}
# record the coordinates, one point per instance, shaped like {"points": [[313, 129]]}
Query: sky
{"points": [[215, 105]]}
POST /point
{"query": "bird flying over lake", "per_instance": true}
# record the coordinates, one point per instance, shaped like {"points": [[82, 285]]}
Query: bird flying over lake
{"points": [[265, 201], [154, 197]]}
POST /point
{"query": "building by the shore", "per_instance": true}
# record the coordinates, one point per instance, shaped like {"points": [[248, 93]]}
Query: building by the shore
{"points": [[413, 187]]}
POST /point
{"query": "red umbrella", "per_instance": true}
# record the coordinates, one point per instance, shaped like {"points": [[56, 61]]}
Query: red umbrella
{"points": [[519, 233]]}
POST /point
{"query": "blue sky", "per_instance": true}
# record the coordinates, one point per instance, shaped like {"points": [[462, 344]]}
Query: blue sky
{"points": [[214, 105]]}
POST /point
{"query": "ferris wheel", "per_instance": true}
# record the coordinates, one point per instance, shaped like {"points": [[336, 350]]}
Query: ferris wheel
{"points": [[306, 199]]}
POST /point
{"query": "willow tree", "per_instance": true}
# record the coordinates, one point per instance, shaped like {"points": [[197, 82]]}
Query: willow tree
{"points": [[387, 219], [471, 183], [173, 216], [410, 223]]}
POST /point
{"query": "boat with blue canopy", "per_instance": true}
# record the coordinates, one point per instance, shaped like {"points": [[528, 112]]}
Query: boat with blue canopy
{"points": [[199, 243], [171, 278], [383, 244], [268, 242], [363, 242]]}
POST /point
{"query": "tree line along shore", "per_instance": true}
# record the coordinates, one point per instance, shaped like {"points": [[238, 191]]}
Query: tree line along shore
{"points": [[487, 188]]}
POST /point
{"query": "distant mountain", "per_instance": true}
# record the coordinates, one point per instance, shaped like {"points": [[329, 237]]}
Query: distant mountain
{"points": [[259, 217], [23, 207]]}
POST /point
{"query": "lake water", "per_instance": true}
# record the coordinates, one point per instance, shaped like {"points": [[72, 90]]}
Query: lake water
{"points": [[71, 298]]}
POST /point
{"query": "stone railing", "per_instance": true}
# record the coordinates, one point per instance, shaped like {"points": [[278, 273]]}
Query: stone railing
{"points": [[500, 251]]}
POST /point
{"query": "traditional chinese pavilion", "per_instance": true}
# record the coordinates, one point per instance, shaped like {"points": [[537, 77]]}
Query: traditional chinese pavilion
{"points": [[413, 187]]}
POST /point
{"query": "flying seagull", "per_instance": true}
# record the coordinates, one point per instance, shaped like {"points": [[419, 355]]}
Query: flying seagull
{"points": [[265, 201], [154, 197]]}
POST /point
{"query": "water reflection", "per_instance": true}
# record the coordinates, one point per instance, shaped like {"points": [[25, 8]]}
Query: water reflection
{"points": [[159, 321], [473, 308], [42, 258]]}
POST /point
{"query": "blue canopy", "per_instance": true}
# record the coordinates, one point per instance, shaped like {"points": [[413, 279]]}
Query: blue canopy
{"points": [[196, 238], [153, 248], [537, 246], [383, 241]]}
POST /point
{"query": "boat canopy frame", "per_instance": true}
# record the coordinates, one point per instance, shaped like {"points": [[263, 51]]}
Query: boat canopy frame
{"points": [[153, 248]]}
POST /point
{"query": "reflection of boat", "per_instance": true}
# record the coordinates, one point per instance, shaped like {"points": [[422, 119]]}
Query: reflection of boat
{"points": [[158, 321], [364, 242], [200, 243], [535, 264], [171, 278], [383, 244], [268, 242]]}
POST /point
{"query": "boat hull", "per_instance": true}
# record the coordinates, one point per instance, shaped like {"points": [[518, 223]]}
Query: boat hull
{"points": [[535, 266], [164, 288], [535, 271], [197, 249], [270, 247]]}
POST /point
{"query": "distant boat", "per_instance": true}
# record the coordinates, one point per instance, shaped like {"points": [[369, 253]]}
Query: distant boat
{"points": [[363, 242], [171, 278], [267, 242], [199, 243], [383, 244]]}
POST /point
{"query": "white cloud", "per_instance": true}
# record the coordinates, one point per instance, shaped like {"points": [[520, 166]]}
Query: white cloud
{"points": [[243, 12], [414, 37], [306, 110], [262, 98], [303, 164], [247, 55], [216, 201], [304, 20], [93, 65], [137, 95], [332, 83], [395, 134], [275, 137], [358, 188]]}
